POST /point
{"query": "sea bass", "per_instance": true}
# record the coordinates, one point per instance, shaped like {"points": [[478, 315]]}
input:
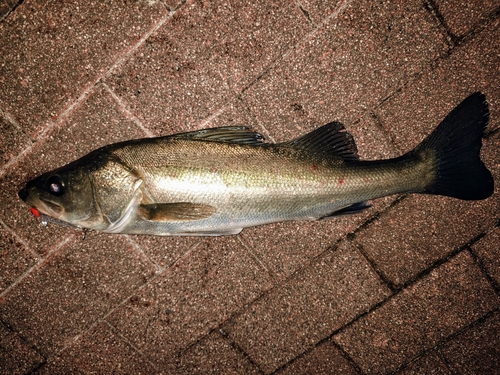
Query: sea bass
{"points": [[218, 181]]}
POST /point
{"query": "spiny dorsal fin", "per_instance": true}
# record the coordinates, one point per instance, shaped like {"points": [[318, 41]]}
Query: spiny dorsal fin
{"points": [[331, 139], [231, 134], [180, 211]]}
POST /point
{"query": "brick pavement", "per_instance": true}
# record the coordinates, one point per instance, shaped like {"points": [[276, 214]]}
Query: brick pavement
{"points": [[410, 286]]}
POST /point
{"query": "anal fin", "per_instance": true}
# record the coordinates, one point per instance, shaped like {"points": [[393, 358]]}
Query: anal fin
{"points": [[355, 208]]}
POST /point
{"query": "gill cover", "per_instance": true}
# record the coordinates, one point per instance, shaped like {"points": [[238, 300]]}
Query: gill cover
{"points": [[116, 189]]}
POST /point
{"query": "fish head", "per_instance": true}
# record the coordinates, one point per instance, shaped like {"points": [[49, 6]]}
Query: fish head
{"points": [[97, 191], [64, 194]]}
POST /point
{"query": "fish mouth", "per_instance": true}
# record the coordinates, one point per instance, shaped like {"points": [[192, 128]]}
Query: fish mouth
{"points": [[43, 205], [23, 194]]}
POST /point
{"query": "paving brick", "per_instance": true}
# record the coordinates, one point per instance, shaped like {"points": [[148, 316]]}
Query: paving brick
{"points": [[98, 351], [307, 308], [76, 286], [202, 56], [429, 364], [8, 6], [477, 350], [15, 259], [323, 360], [448, 299], [191, 298], [318, 11], [377, 57], [420, 230], [234, 114], [264, 32], [411, 114], [16, 355], [214, 354], [12, 141], [173, 4], [285, 247], [97, 121], [164, 251], [488, 250], [462, 17], [57, 50], [371, 140], [349, 65], [5, 9]]}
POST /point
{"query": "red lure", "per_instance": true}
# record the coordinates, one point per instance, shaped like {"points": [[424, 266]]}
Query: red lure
{"points": [[35, 212]]}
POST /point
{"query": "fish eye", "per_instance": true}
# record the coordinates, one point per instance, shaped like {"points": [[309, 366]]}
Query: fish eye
{"points": [[55, 185]]}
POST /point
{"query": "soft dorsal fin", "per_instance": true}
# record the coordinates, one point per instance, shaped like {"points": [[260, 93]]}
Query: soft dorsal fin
{"points": [[231, 134], [331, 139], [179, 211]]}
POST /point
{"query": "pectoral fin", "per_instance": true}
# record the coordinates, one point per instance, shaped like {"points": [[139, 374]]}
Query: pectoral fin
{"points": [[180, 211]]}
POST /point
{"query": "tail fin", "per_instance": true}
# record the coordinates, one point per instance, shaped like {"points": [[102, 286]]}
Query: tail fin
{"points": [[456, 144]]}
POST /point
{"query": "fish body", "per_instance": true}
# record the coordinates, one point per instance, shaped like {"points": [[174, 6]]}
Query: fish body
{"points": [[218, 181]]}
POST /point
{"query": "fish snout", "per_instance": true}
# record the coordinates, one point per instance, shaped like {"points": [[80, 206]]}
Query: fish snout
{"points": [[23, 194]]}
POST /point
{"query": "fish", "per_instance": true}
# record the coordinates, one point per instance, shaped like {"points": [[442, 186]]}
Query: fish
{"points": [[217, 181]]}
